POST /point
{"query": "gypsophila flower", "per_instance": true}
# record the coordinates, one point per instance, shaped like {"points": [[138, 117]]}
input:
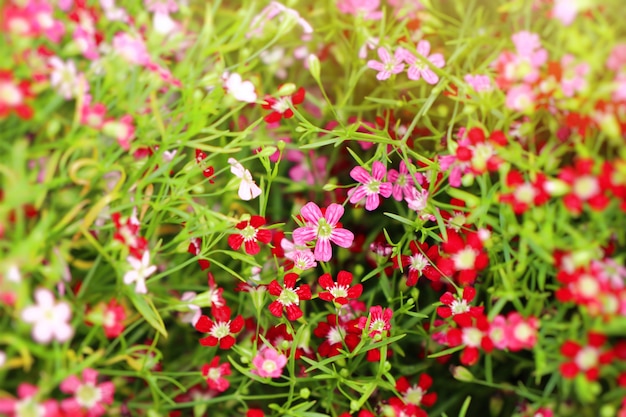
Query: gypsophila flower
{"points": [[268, 363], [50, 319], [141, 269], [372, 185], [248, 189], [215, 373], [388, 65], [89, 397]]}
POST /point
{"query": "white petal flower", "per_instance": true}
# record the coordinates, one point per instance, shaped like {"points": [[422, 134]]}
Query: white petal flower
{"points": [[141, 269], [50, 319], [248, 189]]}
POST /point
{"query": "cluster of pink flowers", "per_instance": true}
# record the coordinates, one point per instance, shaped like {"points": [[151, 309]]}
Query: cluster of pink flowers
{"points": [[418, 66]]}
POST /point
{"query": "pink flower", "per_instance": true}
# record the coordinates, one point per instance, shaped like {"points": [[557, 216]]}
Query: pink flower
{"points": [[50, 319], [239, 89], [248, 189], [214, 374], [379, 321], [521, 333], [418, 68], [86, 43], [89, 396], [27, 403], [402, 181], [92, 115], [122, 130], [520, 98], [132, 49], [372, 185], [479, 82], [566, 10], [323, 227], [140, 270], [367, 9], [268, 363], [388, 65]]}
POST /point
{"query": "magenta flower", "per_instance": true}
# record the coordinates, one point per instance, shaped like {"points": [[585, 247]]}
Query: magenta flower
{"points": [[323, 227], [377, 323], [89, 396], [388, 65], [215, 372], [268, 363], [418, 68], [367, 9], [402, 181], [27, 403], [372, 185]]}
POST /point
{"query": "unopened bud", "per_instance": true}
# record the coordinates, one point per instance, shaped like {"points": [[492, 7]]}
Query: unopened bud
{"points": [[461, 373], [314, 66]]}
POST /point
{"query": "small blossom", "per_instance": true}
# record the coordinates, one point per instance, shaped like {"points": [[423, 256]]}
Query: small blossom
{"points": [[268, 363], [215, 373], [248, 189], [341, 290], [418, 68], [389, 65], [50, 319], [281, 106], [221, 330], [289, 297], [141, 269], [89, 396], [366, 9], [478, 82], [372, 185], [239, 89], [379, 320], [323, 227], [586, 359], [249, 233]]}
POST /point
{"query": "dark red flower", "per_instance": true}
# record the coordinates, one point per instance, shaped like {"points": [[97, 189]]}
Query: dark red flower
{"points": [[249, 234]]}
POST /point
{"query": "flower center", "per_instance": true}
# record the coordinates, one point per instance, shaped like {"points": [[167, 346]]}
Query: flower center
{"points": [[587, 358], [401, 181], [249, 233], [88, 395], [459, 306], [214, 373], [10, 94], [288, 297], [457, 220], [414, 395], [586, 187], [480, 156], [339, 291], [29, 408], [588, 286], [525, 193], [523, 332], [281, 105], [465, 259], [269, 366], [418, 262], [220, 330], [336, 335], [324, 230], [472, 337], [373, 187]]}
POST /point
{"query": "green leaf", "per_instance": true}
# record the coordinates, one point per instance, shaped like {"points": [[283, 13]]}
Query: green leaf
{"points": [[148, 311]]}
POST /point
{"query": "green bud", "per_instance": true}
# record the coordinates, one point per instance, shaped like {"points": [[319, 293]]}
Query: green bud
{"points": [[287, 89], [467, 180], [314, 66], [344, 372], [53, 127], [305, 393], [461, 373], [281, 145], [608, 411], [495, 405]]}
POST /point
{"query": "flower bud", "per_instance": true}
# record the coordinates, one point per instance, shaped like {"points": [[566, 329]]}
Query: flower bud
{"points": [[314, 66], [461, 373]]}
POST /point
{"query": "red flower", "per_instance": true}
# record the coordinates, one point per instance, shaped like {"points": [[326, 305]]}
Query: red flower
{"points": [[221, 330], [215, 373], [474, 336], [281, 105], [378, 322], [585, 359], [465, 257], [415, 395], [13, 96], [289, 297], [340, 291], [525, 194], [584, 187], [207, 170], [127, 232], [255, 412], [420, 262], [194, 249], [337, 334], [459, 308], [249, 234]]}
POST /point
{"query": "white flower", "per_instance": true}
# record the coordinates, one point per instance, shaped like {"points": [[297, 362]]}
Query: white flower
{"points": [[3, 358], [63, 77], [50, 319], [241, 90], [141, 270], [248, 189]]}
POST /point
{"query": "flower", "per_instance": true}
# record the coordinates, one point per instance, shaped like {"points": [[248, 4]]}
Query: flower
{"points": [[141, 269], [372, 185], [13, 96], [64, 78], [335, 331], [479, 82], [463, 257], [366, 9], [207, 170], [584, 186], [221, 330], [27, 404], [248, 189], [473, 335], [89, 396], [122, 130], [281, 106], [418, 68], [403, 182], [521, 333], [131, 48], [388, 65], [459, 308], [585, 359], [415, 394], [525, 194], [239, 89], [50, 319], [214, 374], [340, 291], [420, 262], [289, 297], [378, 322], [325, 228], [110, 316], [268, 363], [249, 234]]}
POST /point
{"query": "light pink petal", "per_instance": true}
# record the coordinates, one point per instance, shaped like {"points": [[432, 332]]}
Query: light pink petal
{"points": [[323, 251], [360, 174], [357, 194], [305, 234], [342, 237], [378, 170], [90, 376], [413, 73], [334, 213], [42, 333], [384, 55], [437, 60], [381, 76], [63, 332], [44, 297], [106, 390], [71, 407], [372, 201], [70, 384], [423, 48], [31, 314], [429, 76], [311, 212], [62, 312], [375, 65]]}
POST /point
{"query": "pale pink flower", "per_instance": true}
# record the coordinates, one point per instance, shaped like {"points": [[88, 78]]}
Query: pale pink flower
{"points": [[520, 98], [574, 77], [64, 79], [366, 9], [132, 48], [239, 89], [86, 43], [418, 199], [566, 10], [248, 189], [619, 93], [141, 269], [310, 168], [402, 181], [388, 65], [193, 313], [112, 12], [268, 363], [27, 404], [617, 58], [50, 319], [89, 396], [322, 227], [372, 185], [418, 68], [479, 82], [42, 21], [369, 44]]}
